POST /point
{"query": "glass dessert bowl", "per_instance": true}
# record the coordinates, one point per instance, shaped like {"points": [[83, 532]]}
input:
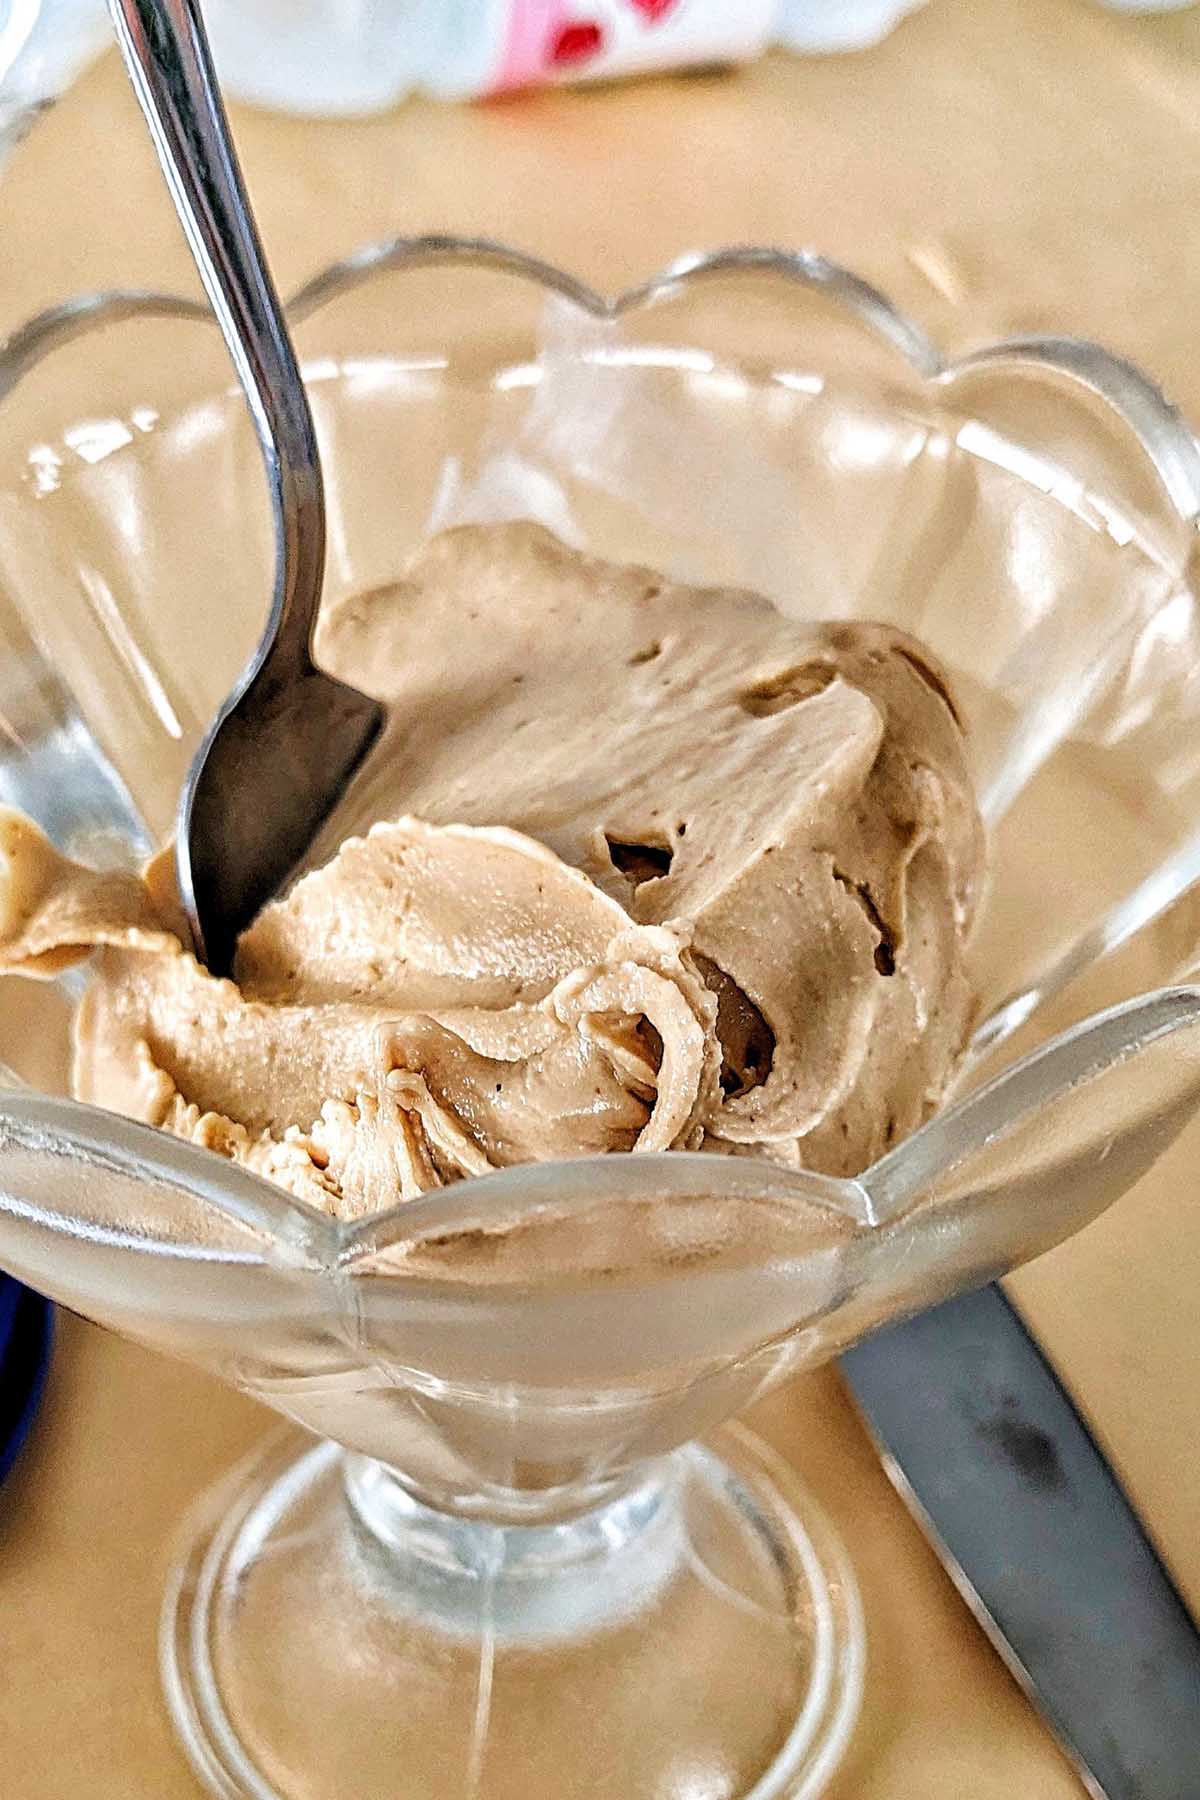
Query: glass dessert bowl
{"points": [[528, 1553]]}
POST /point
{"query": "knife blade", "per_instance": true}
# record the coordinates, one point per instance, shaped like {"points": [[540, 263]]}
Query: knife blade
{"points": [[986, 1448]]}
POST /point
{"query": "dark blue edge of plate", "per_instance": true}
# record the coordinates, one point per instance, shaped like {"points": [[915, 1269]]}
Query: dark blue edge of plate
{"points": [[23, 1369], [10, 1295]]}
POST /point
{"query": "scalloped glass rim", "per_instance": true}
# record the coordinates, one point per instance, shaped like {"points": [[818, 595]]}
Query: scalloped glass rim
{"points": [[1169, 447]]}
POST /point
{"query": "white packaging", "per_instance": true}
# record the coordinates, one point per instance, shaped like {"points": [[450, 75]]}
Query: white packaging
{"points": [[357, 56], [345, 57]]}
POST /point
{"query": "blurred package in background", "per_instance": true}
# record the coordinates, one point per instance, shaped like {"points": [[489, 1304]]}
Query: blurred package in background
{"points": [[346, 57]]}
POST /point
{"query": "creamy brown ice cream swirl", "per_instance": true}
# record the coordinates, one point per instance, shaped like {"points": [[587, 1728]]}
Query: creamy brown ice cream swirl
{"points": [[669, 871]]}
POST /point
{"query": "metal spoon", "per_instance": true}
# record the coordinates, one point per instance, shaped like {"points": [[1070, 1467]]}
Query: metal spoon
{"points": [[288, 738]]}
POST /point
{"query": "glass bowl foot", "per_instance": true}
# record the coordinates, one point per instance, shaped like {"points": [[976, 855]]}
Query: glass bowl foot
{"points": [[700, 1638]]}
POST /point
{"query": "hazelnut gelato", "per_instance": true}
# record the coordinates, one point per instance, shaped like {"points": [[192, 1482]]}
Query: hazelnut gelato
{"points": [[636, 866]]}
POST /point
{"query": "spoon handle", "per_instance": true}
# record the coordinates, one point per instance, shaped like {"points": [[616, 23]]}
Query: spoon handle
{"points": [[167, 54]]}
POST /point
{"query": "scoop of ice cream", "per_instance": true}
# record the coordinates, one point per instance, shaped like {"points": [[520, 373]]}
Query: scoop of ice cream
{"points": [[726, 906], [796, 797], [434, 1003]]}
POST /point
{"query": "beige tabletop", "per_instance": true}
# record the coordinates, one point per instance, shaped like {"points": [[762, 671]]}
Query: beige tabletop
{"points": [[998, 165]]}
